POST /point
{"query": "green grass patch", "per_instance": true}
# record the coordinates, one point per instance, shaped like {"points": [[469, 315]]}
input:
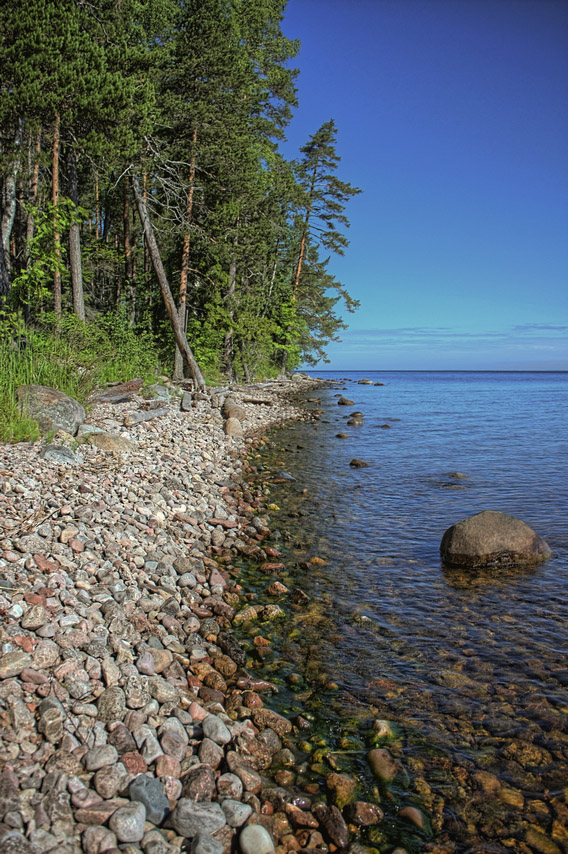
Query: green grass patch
{"points": [[71, 356]]}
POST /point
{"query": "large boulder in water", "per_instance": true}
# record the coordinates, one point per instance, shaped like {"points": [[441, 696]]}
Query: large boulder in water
{"points": [[492, 539], [52, 409]]}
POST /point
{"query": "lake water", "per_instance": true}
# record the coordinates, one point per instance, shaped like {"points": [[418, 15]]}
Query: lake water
{"points": [[469, 668]]}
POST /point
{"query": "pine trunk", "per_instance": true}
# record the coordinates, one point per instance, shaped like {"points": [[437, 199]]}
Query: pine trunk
{"points": [[165, 287], [182, 302], [75, 241], [55, 201]]}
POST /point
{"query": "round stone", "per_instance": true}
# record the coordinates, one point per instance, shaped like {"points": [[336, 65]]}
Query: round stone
{"points": [[128, 822], [215, 729], [254, 839], [150, 792]]}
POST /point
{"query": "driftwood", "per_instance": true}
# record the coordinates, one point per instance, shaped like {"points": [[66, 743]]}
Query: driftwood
{"points": [[257, 400], [181, 340]]}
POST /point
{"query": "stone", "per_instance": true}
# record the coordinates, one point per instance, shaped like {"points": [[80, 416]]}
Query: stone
{"points": [[236, 812], [128, 822], [61, 454], [344, 401], [358, 464], [384, 766], [341, 787], [133, 418], [412, 815], [96, 840], [112, 442], [333, 824], [112, 704], [255, 839], [363, 814], [267, 718], [229, 786], [189, 819], [150, 792], [199, 783], [216, 730], [108, 781], [203, 843], [98, 757], [492, 539], [52, 409], [12, 663], [162, 690], [233, 428]]}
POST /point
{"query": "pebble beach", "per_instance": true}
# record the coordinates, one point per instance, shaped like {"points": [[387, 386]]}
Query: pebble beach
{"points": [[129, 721]]}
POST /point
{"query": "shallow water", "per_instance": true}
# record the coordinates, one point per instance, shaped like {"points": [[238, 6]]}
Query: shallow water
{"points": [[470, 666]]}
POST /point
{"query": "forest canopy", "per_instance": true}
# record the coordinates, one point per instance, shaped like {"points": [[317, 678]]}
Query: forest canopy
{"points": [[139, 155]]}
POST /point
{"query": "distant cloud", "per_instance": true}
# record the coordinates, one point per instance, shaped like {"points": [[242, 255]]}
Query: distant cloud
{"points": [[529, 346]]}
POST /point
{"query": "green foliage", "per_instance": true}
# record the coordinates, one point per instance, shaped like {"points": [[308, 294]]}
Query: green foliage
{"points": [[31, 286], [69, 355], [194, 95]]}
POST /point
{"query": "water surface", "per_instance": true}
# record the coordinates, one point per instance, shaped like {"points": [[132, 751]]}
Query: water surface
{"points": [[469, 666]]}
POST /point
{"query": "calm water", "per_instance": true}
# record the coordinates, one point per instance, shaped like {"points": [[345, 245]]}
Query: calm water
{"points": [[470, 667]]}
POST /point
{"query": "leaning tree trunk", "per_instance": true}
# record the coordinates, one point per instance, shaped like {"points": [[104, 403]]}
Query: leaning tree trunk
{"points": [[165, 287]]}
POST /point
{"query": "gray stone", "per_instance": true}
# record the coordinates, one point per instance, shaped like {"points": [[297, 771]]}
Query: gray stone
{"points": [[189, 818], [236, 812], [14, 843], [150, 792], [61, 454], [128, 822], [99, 757], [162, 690], [52, 409], [492, 539], [95, 840], [254, 839], [229, 786], [203, 843], [215, 729], [133, 418]]}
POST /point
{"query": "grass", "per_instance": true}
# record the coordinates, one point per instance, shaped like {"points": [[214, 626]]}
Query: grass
{"points": [[71, 356]]}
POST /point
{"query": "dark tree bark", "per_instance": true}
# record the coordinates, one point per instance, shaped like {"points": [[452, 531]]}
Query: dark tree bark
{"points": [[165, 287]]}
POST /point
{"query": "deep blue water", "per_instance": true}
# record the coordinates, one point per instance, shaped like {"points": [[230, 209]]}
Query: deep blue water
{"points": [[472, 665]]}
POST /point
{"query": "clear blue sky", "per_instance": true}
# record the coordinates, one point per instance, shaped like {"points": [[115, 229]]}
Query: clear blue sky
{"points": [[453, 120]]}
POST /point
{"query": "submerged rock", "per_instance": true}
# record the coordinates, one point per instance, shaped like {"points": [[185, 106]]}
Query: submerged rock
{"points": [[493, 539]]}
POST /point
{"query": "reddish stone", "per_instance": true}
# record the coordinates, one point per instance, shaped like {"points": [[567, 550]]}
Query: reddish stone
{"points": [[271, 567], [225, 523], [134, 763], [77, 545], [34, 676], [98, 813], [27, 644], [34, 599], [167, 766], [46, 565], [252, 700]]}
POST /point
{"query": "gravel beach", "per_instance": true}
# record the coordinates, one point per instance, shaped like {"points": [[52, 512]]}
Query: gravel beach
{"points": [[128, 721]]}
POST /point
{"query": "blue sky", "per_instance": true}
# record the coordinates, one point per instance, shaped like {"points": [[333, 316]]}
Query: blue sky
{"points": [[453, 120]]}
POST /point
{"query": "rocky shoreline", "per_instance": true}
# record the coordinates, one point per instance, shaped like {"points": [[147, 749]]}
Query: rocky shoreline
{"points": [[129, 721]]}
